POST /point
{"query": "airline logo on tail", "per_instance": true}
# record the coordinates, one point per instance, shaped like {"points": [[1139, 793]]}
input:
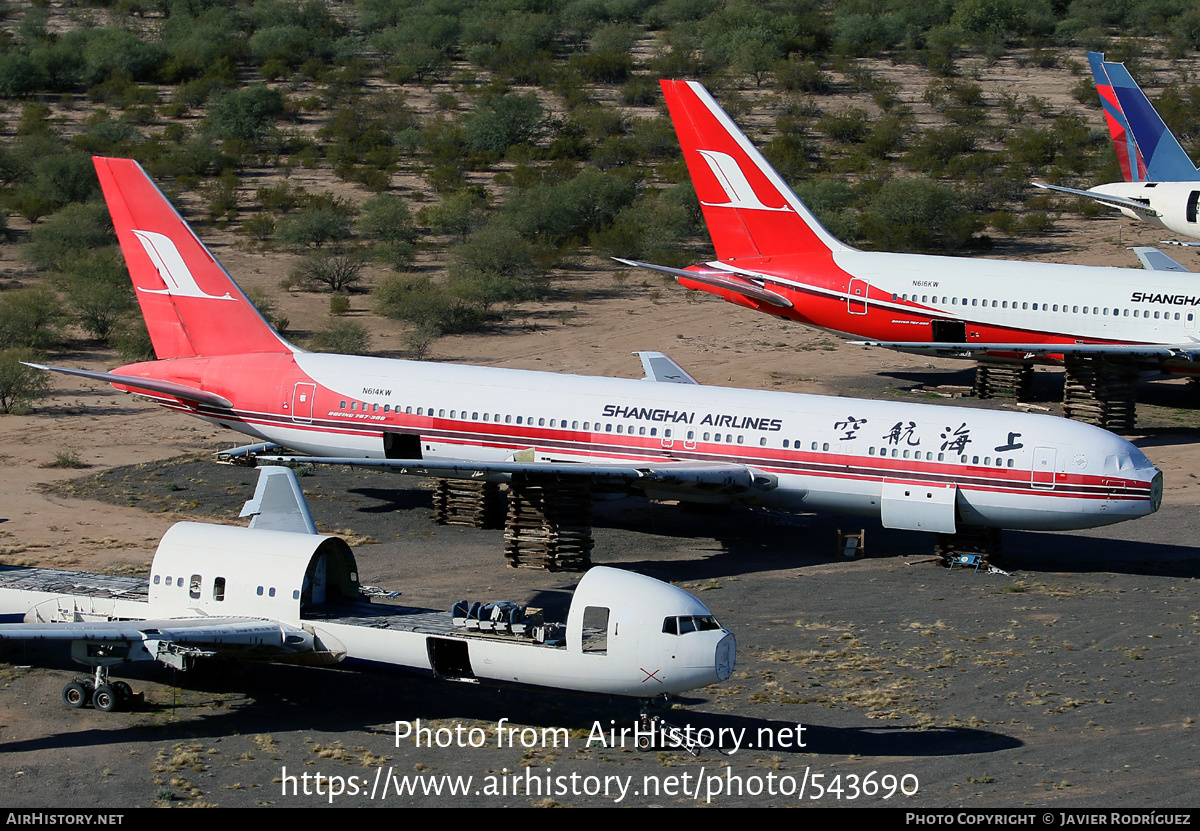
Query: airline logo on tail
{"points": [[171, 267], [733, 181]]}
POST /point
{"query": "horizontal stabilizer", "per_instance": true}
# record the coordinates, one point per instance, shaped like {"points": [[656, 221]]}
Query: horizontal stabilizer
{"points": [[1154, 260], [148, 385], [720, 280], [1112, 201], [659, 367]]}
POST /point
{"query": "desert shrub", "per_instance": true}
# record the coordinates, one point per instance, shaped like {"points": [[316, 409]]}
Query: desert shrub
{"points": [[458, 214], [502, 121], [338, 272], [97, 288], [917, 214], [20, 385], [848, 126], [245, 114], [797, 74], [131, 339], [316, 225], [30, 319], [68, 234], [495, 265], [343, 336], [416, 299]]}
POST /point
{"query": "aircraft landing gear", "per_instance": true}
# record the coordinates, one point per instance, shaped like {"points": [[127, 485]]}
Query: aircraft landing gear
{"points": [[102, 694]]}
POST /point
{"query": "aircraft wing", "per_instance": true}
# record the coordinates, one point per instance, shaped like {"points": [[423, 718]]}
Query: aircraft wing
{"points": [[1114, 201], [180, 391], [207, 631], [1154, 260], [654, 476], [720, 280], [1177, 351]]}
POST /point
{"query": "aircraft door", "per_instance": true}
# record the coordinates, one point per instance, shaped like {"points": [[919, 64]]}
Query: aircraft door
{"points": [[1192, 203], [856, 299], [1043, 468], [302, 402]]}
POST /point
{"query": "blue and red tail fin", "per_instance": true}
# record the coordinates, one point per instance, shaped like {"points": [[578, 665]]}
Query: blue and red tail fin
{"points": [[1146, 148], [1133, 166], [750, 211], [191, 305]]}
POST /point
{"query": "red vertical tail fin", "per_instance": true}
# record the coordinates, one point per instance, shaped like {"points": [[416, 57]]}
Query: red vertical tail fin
{"points": [[191, 305], [750, 210]]}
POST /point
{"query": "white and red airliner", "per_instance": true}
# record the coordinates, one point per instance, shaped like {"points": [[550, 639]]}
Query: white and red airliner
{"points": [[915, 466], [774, 256]]}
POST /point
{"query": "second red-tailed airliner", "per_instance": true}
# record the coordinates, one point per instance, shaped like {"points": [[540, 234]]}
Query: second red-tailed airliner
{"points": [[915, 466], [774, 256]]}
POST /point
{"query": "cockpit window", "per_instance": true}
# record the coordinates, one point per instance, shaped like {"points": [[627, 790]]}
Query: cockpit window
{"points": [[689, 623]]}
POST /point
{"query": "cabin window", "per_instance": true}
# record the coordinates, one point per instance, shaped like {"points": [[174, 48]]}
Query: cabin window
{"points": [[595, 630], [343, 405], [974, 301], [642, 431], [974, 460], [741, 439], [542, 422], [762, 442], [667, 433], [574, 425], [825, 446], [1156, 315], [1125, 313], [168, 580], [420, 410], [260, 591], [620, 428], [785, 444], [295, 594], [586, 427], [271, 592], [1023, 305], [1010, 462], [194, 587], [608, 428], [354, 405], [374, 408], [654, 431], [518, 419], [219, 588], [408, 410], [507, 419]]}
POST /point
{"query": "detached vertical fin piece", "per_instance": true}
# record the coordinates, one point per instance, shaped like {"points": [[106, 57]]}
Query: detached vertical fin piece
{"points": [[278, 503]]}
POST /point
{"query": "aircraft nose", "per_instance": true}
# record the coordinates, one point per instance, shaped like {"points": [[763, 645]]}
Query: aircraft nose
{"points": [[726, 656]]}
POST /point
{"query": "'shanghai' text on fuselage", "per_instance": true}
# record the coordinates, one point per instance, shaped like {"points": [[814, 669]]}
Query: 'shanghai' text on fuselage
{"points": [[733, 422]]}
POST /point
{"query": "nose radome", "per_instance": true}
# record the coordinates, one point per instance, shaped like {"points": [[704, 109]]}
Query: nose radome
{"points": [[726, 657]]}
